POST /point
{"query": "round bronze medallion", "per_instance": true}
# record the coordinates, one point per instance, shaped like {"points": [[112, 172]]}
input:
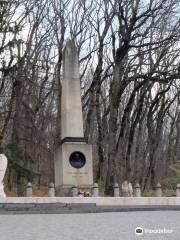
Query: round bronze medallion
{"points": [[77, 160]]}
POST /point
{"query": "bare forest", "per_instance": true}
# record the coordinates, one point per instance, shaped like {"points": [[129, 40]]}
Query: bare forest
{"points": [[129, 58]]}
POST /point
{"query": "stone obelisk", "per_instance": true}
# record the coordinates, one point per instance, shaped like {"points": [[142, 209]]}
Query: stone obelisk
{"points": [[71, 114], [73, 158]]}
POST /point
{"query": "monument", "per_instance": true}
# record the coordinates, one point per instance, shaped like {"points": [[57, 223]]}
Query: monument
{"points": [[73, 157], [3, 166]]}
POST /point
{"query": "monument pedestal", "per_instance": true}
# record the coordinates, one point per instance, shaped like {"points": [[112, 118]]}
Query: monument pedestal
{"points": [[73, 167]]}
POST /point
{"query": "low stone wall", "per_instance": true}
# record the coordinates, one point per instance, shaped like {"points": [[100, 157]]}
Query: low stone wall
{"points": [[99, 201]]}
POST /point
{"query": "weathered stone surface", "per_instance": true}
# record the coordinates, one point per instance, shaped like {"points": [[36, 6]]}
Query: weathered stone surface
{"points": [[29, 190], [74, 191], [72, 136], [67, 176], [127, 190], [71, 106], [95, 190], [158, 190], [137, 190], [51, 190], [178, 190], [3, 166], [99, 201], [116, 190]]}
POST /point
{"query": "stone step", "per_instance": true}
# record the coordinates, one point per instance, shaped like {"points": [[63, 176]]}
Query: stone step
{"points": [[45, 208], [32, 205], [65, 208]]}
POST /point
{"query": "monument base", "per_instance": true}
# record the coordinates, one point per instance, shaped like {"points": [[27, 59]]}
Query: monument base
{"points": [[63, 191], [66, 190], [66, 175]]}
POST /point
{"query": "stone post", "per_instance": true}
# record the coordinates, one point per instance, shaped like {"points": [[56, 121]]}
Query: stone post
{"points": [[178, 190], [127, 190], [95, 190], [158, 190], [51, 190], [29, 190], [137, 190], [74, 191], [130, 189], [116, 190]]}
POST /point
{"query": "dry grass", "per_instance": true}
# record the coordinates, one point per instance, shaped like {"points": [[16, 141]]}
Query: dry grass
{"points": [[10, 193], [40, 192], [37, 192]]}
